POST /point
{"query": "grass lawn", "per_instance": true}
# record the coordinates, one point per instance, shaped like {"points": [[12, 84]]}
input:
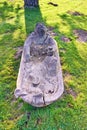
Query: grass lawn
{"points": [[70, 111]]}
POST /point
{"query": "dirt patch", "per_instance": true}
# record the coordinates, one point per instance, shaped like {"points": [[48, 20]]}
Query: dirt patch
{"points": [[16, 116], [67, 78], [20, 105], [62, 50], [38, 121], [51, 3], [53, 34], [81, 35], [61, 60], [28, 115], [13, 100], [50, 28], [18, 52], [50, 31], [71, 92], [75, 13], [65, 39]]}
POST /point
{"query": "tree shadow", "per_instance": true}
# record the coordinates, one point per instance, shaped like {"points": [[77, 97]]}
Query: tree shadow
{"points": [[76, 67], [74, 21], [10, 66], [13, 36], [7, 31], [32, 14], [71, 54]]}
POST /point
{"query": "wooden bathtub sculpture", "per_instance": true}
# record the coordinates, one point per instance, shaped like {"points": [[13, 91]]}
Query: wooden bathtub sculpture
{"points": [[40, 80]]}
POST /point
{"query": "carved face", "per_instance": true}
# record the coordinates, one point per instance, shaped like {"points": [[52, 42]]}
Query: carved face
{"points": [[40, 30]]}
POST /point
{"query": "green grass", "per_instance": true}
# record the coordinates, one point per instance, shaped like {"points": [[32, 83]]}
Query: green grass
{"points": [[69, 112]]}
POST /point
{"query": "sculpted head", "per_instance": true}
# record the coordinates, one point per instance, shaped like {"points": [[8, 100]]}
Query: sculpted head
{"points": [[40, 29]]}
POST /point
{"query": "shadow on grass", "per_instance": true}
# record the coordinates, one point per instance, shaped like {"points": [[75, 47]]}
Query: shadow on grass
{"points": [[55, 116], [72, 58], [10, 25], [74, 22], [32, 17], [52, 117], [8, 65]]}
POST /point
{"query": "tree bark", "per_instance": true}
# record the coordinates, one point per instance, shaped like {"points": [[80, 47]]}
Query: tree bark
{"points": [[31, 3]]}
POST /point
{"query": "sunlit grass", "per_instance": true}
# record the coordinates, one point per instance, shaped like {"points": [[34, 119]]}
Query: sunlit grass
{"points": [[16, 23]]}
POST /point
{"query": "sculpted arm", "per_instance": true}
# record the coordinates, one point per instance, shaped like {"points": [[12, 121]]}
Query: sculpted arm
{"points": [[27, 50], [53, 47]]}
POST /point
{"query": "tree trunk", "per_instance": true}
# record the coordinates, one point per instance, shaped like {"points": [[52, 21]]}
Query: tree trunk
{"points": [[31, 3]]}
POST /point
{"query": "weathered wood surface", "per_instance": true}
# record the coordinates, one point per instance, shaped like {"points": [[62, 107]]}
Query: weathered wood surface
{"points": [[40, 80]]}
